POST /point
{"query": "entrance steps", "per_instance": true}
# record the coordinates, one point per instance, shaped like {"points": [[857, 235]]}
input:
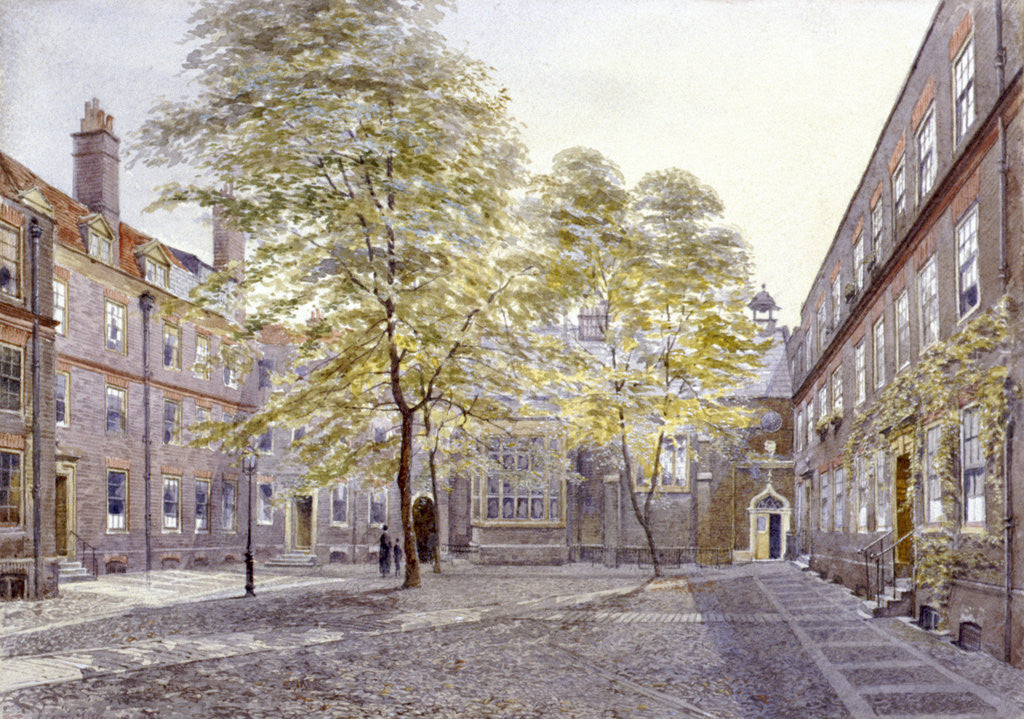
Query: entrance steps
{"points": [[897, 601], [73, 571], [292, 559]]}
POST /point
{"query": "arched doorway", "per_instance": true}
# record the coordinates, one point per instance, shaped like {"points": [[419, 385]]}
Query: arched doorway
{"points": [[770, 516], [424, 522]]}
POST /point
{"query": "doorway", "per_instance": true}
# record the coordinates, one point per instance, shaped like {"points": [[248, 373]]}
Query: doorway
{"points": [[904, 515], [774, 536], [304, 523], [424, 522], [60, 508]]}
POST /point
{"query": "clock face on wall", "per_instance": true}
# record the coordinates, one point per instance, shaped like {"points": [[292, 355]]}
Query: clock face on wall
{"points": [[771, 421]]}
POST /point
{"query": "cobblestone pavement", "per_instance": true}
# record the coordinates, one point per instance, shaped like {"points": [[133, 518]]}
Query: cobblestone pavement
{"points": [[762, 640]]}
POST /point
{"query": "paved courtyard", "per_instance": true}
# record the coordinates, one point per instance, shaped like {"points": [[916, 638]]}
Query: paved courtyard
{"points": [[762, 640]]}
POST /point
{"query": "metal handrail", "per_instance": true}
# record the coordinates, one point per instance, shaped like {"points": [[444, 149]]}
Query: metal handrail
{"points": [[867, 564], [880, 583], [85, 545], [866, 547]]}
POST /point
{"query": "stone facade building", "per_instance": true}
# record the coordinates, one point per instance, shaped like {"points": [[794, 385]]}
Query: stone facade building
{"points": [[908, 355]]}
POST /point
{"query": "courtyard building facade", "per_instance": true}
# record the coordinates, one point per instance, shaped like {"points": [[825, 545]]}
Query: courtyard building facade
{"points": [[906, 364]]}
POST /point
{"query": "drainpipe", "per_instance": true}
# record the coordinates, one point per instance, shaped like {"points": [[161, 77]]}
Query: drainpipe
{"points": [[35, 232], [1003, 165], [146, 302], [1008, 525]]}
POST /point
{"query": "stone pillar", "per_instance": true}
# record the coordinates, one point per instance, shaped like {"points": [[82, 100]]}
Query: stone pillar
{"points": [[612, 519]]}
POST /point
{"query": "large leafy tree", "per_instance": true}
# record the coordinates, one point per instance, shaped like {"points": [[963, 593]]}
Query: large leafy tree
{"points": [[664, 284], [374, 167]]}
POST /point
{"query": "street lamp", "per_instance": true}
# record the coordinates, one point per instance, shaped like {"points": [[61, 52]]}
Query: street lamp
{"points": [[249, 460]]}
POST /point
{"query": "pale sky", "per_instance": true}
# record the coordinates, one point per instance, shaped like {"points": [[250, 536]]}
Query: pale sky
{"points": [[777, 104]]}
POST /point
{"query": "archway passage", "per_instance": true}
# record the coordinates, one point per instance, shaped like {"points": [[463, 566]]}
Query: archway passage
{"points": [[424, 522]]}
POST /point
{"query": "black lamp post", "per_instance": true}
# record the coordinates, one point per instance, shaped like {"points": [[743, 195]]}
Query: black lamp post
{"points": [[249, 461]]}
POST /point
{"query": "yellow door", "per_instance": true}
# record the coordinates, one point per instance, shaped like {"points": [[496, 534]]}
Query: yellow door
{"points": [[763, 548]]}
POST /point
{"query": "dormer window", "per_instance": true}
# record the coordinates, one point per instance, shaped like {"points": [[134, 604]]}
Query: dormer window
{"points": [[101, 247], [158, 273], [10, 260]]}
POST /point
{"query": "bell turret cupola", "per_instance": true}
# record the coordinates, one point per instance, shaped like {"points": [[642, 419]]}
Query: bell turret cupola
{"points": [[763, 307]]}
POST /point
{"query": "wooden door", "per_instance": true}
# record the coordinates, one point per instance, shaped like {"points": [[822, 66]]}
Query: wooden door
{"points": [[904, 516], [60, 507], [303, 522]]}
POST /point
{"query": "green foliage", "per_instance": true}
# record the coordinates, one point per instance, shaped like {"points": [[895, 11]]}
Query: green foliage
{"points": [[967, 367], [667, 283], [375, 170]]}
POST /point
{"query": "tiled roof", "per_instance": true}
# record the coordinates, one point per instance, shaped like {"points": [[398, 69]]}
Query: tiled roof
{"points": [[16, 178]]}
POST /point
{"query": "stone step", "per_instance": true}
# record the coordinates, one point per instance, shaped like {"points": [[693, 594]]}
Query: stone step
{"points": [[73, 572], [292, 559]]}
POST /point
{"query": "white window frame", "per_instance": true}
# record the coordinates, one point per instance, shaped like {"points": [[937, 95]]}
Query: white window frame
{"points": [[839, 488], [171, 523], [201, 367], [902, 330], [883, 520], [899, 189], [171, 331], [66, 398], [927, 154], [115, 316], [837, 299], [928, 302], [859, 262], [158, 273], [60, 305], [860, 373], [123, 411], [175, 437], [15, 502], [825, 500], [117, 523], [878, 347], [822, 320], [809, 413], [8, 379], [932, 480], [877, 226], [972, 467], [963, 91], [15, 281], [837, 391], [967, 276], [101, 247], [862, 486], [202, 519]]}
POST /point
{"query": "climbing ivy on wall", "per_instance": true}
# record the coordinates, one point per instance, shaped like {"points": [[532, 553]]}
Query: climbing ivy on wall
{"points": [[967, 369]]}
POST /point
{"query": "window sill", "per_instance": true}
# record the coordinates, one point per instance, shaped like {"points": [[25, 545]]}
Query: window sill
{"points": [[973, 528], [170, 531], [536, 523], [970, 313], [340, 525], [117, 531], [265, 524], [932, 527]]}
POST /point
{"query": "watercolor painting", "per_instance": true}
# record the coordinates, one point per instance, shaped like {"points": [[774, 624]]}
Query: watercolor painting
{"points": [[511, 358]]}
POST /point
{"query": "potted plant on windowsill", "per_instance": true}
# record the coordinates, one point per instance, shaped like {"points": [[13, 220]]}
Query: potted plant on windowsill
{"points": [[850, 292], [821, 427], [836, 418]]}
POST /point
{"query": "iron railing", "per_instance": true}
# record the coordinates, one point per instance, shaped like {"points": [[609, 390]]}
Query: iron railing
{"points": [[85, 545], [883, 579], [641, 556]]}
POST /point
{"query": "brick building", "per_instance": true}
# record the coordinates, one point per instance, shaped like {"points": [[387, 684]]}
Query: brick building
{"points": [[904, 476], [710, 505], [30, 213]]}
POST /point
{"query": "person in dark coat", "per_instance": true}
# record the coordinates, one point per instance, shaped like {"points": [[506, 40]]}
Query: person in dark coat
{"points": [[398, 558], [384, 555]]}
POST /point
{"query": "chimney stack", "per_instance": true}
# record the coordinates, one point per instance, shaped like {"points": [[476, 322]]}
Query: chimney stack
{"points": [[228, 243], [95, 153]]}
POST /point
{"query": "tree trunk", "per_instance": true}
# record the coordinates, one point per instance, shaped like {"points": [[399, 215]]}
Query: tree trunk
{"points": [[412, 561], [627, 479], [433, 490]]}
